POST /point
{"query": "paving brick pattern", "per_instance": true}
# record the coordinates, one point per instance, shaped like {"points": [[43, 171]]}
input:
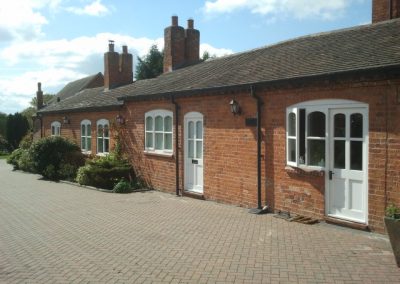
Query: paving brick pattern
{"points": [[58, 233]]}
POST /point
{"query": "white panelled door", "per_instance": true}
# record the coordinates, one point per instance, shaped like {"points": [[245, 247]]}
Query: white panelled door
{"points": [[194, 152], [347, 175]]}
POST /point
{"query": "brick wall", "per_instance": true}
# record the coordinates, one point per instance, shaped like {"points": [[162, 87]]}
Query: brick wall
{"points": [[381, 10], [73, 129], [230, 172]]}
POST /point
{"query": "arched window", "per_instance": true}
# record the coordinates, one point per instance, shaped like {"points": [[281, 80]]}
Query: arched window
{"points": [[158, 131], [55, 128], [103, 136], [86, 136]]}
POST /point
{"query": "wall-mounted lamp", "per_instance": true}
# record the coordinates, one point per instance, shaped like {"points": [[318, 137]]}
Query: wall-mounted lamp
{"points": [[120, 119], [235, 108], [65, 120]]}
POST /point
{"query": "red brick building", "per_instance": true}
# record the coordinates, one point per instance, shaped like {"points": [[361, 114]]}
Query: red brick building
{"points": [[308, 126]]}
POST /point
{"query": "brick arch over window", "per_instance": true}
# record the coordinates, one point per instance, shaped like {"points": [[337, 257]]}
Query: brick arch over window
{"points": [[55, 128]]}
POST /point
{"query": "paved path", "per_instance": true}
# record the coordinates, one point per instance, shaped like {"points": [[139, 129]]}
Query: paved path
{"points": [[58, 233]]}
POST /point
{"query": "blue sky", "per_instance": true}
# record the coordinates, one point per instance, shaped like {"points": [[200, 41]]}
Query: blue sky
{"points": [[58, 41]]}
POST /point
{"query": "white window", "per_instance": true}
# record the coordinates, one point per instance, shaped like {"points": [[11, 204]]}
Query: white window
{"points": [[103, 136], [86, 136], [55, 128], [158, 131], [306, 136]]}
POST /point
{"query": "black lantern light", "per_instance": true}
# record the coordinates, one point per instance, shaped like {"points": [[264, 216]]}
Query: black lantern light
{"points": [[120, 119], [235, 108], [65, 120]]}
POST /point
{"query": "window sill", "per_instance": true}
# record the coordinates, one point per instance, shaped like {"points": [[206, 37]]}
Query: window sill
{"points": [[159, 154], [86, 152], [305, 171], [102, 154]]}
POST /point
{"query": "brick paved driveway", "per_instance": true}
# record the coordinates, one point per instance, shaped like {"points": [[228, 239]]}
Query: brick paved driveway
{"points": [[58, 233]]}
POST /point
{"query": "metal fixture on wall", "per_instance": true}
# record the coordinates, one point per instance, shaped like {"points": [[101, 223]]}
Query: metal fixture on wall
{"points": [[120, 119], [235, 108], [65, 120]]}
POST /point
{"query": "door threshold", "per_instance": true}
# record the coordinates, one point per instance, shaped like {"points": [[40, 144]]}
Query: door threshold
{"points": [[346, 223], [193, 194]]}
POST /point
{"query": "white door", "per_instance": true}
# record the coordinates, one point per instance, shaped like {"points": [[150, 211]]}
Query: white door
{"points": [[347, 173], [194, 152]]}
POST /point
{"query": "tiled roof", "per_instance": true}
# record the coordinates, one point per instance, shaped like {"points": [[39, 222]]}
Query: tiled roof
{"points": [[354, 49], [88, 99], [76, 86]]}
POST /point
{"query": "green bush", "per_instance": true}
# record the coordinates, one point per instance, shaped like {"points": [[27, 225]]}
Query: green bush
{"points": [[26, 141], [25, 162], [123, 186], [56, 158], [104, 172], [5, 147], [14, 158]]}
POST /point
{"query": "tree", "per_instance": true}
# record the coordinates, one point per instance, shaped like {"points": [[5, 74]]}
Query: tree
{"points": [[151, 65], [16, 128], [31, 110], [3, 121], [207, 55]]}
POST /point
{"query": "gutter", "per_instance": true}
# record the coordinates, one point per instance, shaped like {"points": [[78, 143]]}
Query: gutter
{"points": [[259, 209], [176, 145]]}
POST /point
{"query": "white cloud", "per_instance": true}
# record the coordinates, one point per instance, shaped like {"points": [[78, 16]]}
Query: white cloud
{"points": [[300, 9], [96, 8], [58, 62]]}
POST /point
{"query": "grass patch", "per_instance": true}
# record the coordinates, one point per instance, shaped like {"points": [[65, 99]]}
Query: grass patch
{"points": [[3, 157]]}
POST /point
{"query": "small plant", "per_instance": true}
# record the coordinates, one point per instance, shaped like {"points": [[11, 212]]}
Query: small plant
{"points": [[393, 211], [123, 186]]}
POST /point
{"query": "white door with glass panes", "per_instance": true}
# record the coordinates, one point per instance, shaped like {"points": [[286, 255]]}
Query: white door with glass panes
{"points": [[194, 152], [347, 172]]}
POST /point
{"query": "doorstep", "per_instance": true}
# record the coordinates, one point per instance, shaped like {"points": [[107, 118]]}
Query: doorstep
{"points": [[345, 223], [194, 195]]}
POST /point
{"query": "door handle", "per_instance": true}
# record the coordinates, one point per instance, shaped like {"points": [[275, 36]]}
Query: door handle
{"points": [[331, 174]]}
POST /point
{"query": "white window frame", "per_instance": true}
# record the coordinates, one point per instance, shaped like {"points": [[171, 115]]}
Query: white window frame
{"points": [[153, 114], [103, 123], [55, 128], [87, 136]]}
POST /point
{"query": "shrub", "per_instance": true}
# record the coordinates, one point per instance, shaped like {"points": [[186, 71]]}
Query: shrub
{"points": [[104, 172], [14, 158], [56, 158], [5, 147], [26, 141], [123, 186], [25, 162]]}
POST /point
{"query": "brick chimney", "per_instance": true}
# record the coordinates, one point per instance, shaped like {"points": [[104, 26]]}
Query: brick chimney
{"points": [[383, 10], [39, 97], [181, 47], [118, 68]]}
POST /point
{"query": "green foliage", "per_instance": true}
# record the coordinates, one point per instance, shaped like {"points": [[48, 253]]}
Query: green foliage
{"points": [[207, 55], [151, 65], [26, 141], [14, 158], [3, 123], [104, 172], [56, 158], [25, 162], [16, 127], [123, 186], [393, 211], [4, 145], [31, 110]]}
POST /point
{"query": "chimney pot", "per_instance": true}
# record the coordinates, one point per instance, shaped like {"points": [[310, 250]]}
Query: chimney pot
{"points": [[174, 21], [39, 86], [111, 46], [124, 49], [190, 24]]}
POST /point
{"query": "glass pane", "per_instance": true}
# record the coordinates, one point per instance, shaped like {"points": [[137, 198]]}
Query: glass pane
{"points": [[168, 141], [168, 124], [88, 130], [83, 145], [292, 150], [356, 125], [191, 129], [159, 123], [302, 136], [316, 153], [58, 130], [106, 145], [149, 140], [53, 130], [191, 149], [89, 144], [159, 141], [316, 124], [340, 155], [199, 130], [292, 124], [340, 125], [100, 130], [100, 145], [199, 149], [83, 130], [106, 132], [356, 154], [149, 123]]}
